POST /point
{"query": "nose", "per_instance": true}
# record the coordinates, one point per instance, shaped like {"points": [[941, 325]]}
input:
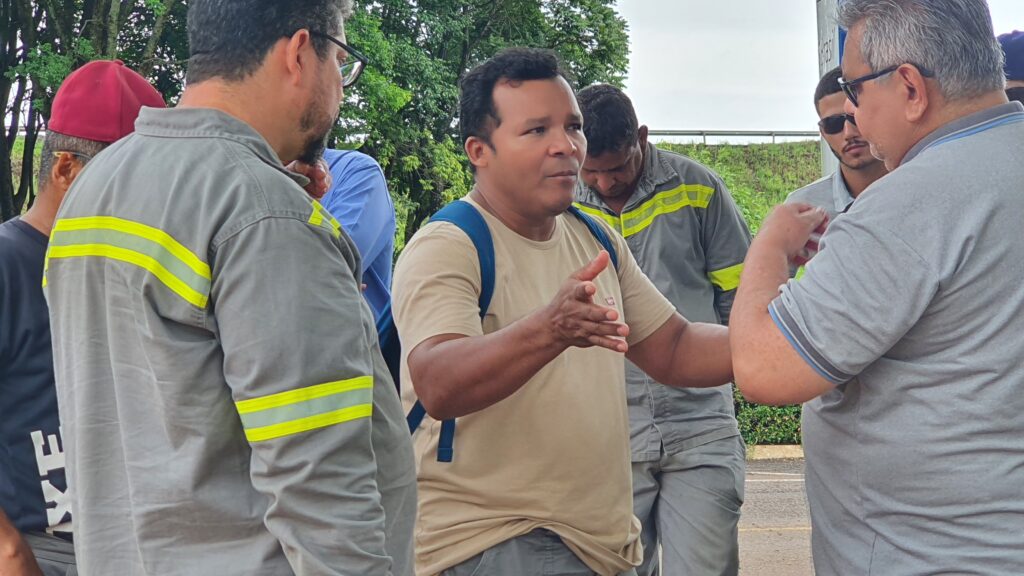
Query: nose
{"points": [[604, 183], [562, 144], [850, 130], [849, 108]]}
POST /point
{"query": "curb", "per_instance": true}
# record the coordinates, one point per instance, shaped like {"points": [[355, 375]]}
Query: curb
{"points": [[769, 452]]}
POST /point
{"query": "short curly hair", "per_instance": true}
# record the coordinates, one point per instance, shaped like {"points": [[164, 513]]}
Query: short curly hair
{"points": [[477, 114], [609, 120]]}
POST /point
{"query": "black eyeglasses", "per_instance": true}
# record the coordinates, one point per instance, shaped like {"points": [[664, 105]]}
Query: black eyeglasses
{"points": [[836, 123], [354, 62], [83, 157], [852, 87]]}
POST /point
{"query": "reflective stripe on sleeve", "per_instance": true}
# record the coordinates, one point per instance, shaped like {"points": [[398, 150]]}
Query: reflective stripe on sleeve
{"points": [[304, 409], [727, 278]]}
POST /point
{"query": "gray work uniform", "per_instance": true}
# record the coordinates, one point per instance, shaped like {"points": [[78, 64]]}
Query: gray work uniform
{"points": [[829, 193], [914, 310], [224, 404], [690, 239]]}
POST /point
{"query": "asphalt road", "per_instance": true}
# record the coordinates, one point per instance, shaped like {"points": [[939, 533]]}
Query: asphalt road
{"points": [[775, 529]]}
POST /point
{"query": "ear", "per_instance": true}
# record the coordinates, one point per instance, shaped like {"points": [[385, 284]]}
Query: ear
{"points": [[297, 51], [478, 151], [642, 131], [64, 171], [915, 90]]}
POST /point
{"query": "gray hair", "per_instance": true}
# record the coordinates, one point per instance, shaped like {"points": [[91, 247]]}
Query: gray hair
{"points": [[57, 142], [952, 39]]}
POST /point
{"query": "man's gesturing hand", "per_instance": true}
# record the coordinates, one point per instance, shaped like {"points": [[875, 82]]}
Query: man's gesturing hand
{"points": [[574, 318]]}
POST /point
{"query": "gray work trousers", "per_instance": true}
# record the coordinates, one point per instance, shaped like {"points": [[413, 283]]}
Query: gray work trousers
{"points": [[690, 502], [56, 557], [538, 553]]}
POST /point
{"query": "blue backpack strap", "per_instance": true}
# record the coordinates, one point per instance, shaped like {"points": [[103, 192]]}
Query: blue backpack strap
{"points": [[598, 233], [472, 223]]}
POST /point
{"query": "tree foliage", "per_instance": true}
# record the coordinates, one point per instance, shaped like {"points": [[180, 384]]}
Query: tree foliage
{"points": [[402, 112]]}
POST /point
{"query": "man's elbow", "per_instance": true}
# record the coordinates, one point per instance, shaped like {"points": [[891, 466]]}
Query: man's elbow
{"points": [[755, 379]]}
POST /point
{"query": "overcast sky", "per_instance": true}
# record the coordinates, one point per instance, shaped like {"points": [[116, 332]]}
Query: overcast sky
{"points": [[734, 64]]}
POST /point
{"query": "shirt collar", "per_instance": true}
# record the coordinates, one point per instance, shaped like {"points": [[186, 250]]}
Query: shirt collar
{"points": [[209, 122], [840, 193], [965, 126]]}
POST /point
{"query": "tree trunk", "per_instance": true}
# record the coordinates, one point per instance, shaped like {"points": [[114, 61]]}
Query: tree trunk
{"points": [[27, 187], [149, 55]]}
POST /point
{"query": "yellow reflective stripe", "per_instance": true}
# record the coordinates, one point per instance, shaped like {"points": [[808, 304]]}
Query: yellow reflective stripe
{"points": [[727, 278], [154, 235], [317, 217], [309, 423], [303, 394], [799, 273], [320, 215], [611, 220], [639, 218], [137, 258]]}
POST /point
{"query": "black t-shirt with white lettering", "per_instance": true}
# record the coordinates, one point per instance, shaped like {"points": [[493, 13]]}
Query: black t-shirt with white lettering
{"points": [[32, 483]]}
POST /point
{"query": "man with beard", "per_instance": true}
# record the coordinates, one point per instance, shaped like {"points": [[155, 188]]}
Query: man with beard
{"points": [[224, 403], [858, 169], [1013, 50]]}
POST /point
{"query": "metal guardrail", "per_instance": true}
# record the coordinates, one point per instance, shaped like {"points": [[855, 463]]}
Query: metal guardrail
{"points": [[703, 134]]}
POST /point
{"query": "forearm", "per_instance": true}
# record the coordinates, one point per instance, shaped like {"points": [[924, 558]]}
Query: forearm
{"points": [[685, 354], [765, 270], [701, 357], [463, 375], [16, 558]]}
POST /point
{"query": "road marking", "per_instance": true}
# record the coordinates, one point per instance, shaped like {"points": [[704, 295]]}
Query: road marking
{"points": [[776, 480], [778, 529], [776, 473]]}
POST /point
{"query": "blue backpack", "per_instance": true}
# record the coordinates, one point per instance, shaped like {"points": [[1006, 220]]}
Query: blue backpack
{"points": [[469, 220]]}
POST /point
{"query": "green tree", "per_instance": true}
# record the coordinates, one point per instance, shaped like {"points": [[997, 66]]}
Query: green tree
{"points": [[42, 42], [404, 113]]}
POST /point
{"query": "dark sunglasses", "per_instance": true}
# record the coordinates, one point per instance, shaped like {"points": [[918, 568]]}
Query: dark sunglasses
{"points": [[852, 87], [836, 123]]}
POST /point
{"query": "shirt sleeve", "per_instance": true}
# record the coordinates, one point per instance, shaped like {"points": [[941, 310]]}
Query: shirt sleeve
{"points": [[297, 358], [857, 298], [726, 239], [359, 199], [436, 289], [644, 308]]}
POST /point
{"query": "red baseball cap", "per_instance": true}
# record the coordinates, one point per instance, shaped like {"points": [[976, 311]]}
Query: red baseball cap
{"points": [[100, 101]]}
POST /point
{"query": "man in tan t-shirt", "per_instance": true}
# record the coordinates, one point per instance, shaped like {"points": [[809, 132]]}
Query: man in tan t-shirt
{"points": [[540, 479]]}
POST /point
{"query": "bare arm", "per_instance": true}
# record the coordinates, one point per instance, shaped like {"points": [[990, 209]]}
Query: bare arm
{"points": [[685, 354], [455, 375], [16, 558], [769, 370]]}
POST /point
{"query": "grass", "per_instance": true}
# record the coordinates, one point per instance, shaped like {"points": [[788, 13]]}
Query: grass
{"points": [[17, 152]]}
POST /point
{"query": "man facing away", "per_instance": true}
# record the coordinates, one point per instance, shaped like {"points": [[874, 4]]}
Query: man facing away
{"points": [[224, 402], [95, 106], [689, 238], [858, 169], [359, 199], [903, 336], [539, 481]]}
